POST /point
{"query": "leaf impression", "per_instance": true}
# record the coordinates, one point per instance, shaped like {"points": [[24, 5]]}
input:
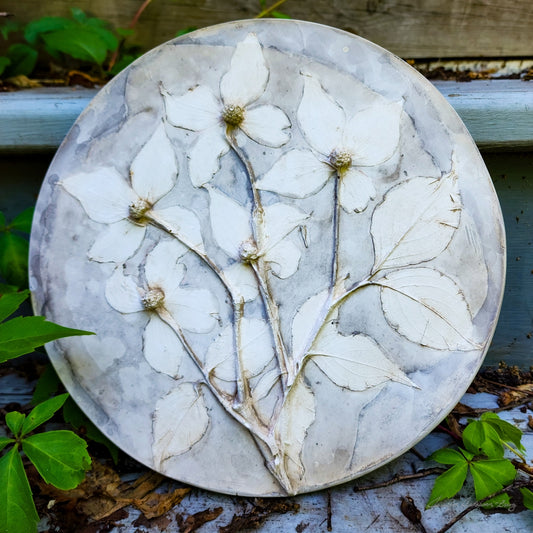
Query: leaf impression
{"points": [[297, 415], [230, 222], [354, 362], [306, 323], [180, 420], [428, 308], [415, 222]]}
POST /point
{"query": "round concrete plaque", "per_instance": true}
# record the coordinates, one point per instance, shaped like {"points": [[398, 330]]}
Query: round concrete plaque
{"points": [[288, 247]]}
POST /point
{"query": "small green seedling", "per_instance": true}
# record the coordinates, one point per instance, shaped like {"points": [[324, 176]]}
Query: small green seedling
{"points": [[60, 457], [485, 441]]}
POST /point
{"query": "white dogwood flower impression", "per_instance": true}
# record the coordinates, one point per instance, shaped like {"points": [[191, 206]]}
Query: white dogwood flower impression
{"points": [[202, 111], [127, 208], [345, 147], [248, 315], [195, 310], [235, 236]]}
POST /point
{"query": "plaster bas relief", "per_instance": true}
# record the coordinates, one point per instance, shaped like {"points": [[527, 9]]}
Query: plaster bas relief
{"points": [[296, 271]]}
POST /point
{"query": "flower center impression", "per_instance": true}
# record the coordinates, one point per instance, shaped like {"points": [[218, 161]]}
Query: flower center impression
{"points": [[153, 299], [248, 252], [233, 115], [138, 210], [340, 160]]}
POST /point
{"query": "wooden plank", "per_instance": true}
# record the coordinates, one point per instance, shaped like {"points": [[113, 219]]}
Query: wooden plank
{"points": [[498, 113], [39, 119], [419, 28]]}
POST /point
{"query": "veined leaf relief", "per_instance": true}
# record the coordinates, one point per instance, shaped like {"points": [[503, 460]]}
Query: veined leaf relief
{"points": [[253, 238]]}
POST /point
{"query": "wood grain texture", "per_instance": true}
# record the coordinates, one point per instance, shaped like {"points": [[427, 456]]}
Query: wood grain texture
{"points": [[498, 114], [417, 29]]}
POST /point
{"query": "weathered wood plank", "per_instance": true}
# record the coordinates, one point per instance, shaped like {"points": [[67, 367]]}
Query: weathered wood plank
{"points": [[419, 28], [498, 114]]}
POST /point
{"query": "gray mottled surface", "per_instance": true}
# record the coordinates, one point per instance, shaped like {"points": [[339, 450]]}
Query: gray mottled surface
{"points": [[353, 428]]}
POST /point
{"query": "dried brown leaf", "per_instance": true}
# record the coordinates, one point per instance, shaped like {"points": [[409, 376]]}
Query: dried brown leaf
{"points": [[23, 82], [195, 521], [154, 504]]}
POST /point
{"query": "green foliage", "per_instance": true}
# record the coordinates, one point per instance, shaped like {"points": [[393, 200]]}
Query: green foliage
{"points": [[74, 416], [4, 62], [60, 457], [14, 248], [22, 335], [87, 39], [527, 495], [8, 26], [22, 60], [18, 510], [185, 31], [483, 456], [47, 385], [122, 63], [81, 37]]}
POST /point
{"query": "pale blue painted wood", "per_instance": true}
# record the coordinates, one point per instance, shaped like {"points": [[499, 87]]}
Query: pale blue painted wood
{"points": [[498, 114], [39, 119]]}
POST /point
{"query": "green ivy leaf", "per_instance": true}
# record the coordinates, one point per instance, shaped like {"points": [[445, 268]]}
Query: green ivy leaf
{"points": [[18, 513], [47, 385], [22, 335], [480, 437], [76, 417], [469, 456], [22, 222], [43, 412], [107, 36], [14, 421], [491, 475], [5, 441], [506, 431], [4, 63], [78, 42], [448, 484], [23, 60], [527, 496], [9, 303], [14, 259], [60, 457], [45, 25], [447, 456]]}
